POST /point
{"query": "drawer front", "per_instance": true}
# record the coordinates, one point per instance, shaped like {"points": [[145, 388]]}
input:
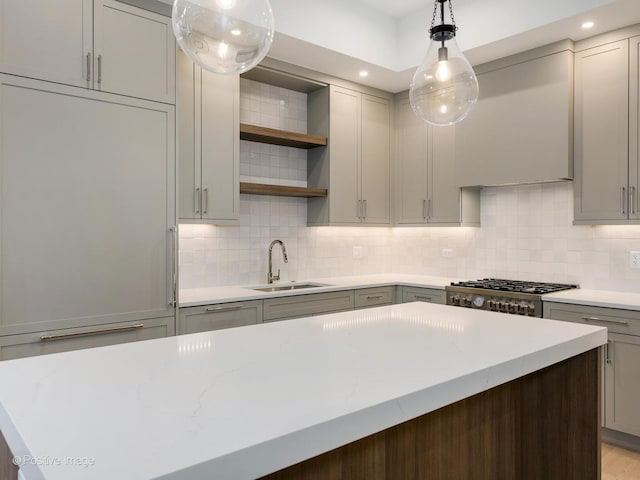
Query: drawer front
{"points": [[431, 295], [616, 320], [372, 297], [42, 343], [305, 305], [216, 317]]}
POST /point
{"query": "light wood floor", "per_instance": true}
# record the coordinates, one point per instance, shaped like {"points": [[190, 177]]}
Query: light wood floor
{"points": [[619, 464]]}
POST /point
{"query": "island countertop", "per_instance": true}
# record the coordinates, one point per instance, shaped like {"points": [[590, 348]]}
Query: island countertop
{"points": [[244, 402]]}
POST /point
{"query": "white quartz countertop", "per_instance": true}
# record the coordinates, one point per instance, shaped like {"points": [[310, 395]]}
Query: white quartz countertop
{"points": [[192, 297], [597, 298], [241, 403]]}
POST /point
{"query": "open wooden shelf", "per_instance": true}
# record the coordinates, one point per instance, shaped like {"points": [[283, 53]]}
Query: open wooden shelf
{"points": [[272, 136], [281, 190]]}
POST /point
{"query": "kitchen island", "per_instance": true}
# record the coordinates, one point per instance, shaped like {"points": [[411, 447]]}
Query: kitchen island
{"points": [[406, 391]]}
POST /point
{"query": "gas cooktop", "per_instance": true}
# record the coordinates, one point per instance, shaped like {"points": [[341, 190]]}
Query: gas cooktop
{"points": [[500, 295], [515, 286]]}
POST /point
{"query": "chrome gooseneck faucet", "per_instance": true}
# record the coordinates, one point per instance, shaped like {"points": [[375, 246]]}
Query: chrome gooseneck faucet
{"points": [[270, 276]]}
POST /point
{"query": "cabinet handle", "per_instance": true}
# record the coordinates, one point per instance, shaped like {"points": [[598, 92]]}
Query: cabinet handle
{"points": [[422, 297], [88, 66], [224, 309], [429, 208], [205, 203], [607, 349], [99, 69], [374, 297], [365, 208], [174, 269], [64, 336], [196, 201], [424, 208], [622, 199], [596, 319], [632, 200]]}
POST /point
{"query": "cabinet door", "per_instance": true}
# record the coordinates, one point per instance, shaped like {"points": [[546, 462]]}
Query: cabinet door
{"points": [[375, 162], [411, 165], [216, 317], [622, 387], [47, 40], [634, 128], [189, 164], [373, 297], [444, 194], [87, 188], [416, 294], [42, 343], [219, 135], [601, 132], [344, 138], [134, 52], [304, 305]]}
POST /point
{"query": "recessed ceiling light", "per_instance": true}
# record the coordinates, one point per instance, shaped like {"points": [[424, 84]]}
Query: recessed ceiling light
{"points": [[364, 73], [587, 25], [236, 32]]}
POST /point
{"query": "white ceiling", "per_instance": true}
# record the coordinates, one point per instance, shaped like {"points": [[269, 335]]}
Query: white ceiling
{"points": [[388, 38]]}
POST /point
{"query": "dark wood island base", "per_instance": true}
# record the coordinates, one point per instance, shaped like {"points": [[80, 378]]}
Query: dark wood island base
{"points": [[544, 426]]}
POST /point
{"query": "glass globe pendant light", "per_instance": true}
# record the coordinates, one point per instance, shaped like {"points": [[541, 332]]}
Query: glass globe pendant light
{"points": [[223, 36], [444, 88]]}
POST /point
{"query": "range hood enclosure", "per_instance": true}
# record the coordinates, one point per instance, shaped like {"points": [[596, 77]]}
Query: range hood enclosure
{"points": [[521, 130]]}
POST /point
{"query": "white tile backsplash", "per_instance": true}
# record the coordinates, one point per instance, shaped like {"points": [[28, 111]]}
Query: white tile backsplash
{"points": [[526, 232]]}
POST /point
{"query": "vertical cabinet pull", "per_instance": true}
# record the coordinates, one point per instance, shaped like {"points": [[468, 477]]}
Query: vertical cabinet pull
{"points": [[196, 201], [429, 209], [205, 202], [607, 350], [424, 208], [365, 208], [622, 200], [174, 267], [632, 200], [99, 69], [88, 66]]}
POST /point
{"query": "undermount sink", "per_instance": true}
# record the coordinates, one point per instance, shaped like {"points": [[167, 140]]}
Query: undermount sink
{"points": [[289, 286]]}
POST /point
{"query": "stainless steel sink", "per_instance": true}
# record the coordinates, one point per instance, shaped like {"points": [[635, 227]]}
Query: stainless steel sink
{"points": [[289, 286]]}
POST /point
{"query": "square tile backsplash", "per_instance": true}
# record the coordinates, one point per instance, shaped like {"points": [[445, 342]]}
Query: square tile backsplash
{"points": [[526, 232]]}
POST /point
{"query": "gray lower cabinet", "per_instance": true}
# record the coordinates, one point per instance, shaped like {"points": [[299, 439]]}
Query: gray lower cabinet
{"points": [[375, 297], [418, 294], [216, 317], [305, 305], [621, 363], [56, 341]]}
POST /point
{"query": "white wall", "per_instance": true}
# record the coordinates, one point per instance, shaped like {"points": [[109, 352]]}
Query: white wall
{"points": [[526, 230]]}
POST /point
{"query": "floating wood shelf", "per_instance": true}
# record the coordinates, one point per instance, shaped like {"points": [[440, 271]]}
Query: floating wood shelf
{"points": [[283, 138], [281, 190]]}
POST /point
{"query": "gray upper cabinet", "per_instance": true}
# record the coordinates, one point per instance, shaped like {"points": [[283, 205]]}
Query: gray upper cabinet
{"points": [[521, 129], [426, 184], [88, 200], [93, 44], [208, 145], [356, 165], [606, 140]]}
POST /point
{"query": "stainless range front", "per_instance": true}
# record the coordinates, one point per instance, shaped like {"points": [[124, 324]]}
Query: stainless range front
{"points": [[499, 295]]}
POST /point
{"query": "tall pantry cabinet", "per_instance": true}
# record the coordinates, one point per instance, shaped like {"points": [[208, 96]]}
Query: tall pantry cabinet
{"points": [[87, 189]]}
